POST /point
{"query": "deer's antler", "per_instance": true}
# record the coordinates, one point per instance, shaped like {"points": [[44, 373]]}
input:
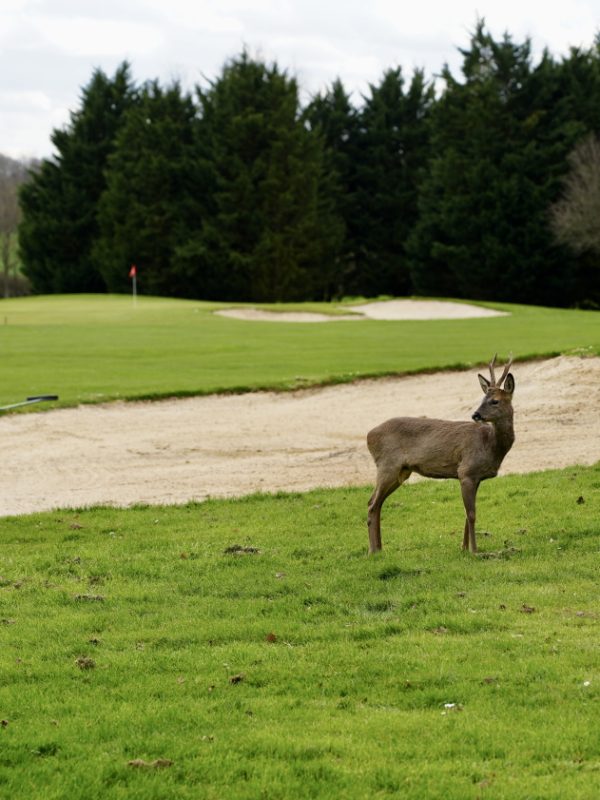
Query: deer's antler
{"points": [[506, 370], [492, 373], [492, 364]]}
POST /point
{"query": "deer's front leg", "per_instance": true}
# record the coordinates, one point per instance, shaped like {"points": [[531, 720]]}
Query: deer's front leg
{"points": [[374, 524], [469, 487]]}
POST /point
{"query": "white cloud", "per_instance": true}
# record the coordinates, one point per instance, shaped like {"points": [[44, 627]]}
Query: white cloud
{"points": [[29, 101], [200, 16], [50, 47], [20, 131], [88, 37]]}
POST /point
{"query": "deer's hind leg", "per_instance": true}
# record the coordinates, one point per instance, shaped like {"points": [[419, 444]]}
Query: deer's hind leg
{"points": [[469, 488], [386, 484]]}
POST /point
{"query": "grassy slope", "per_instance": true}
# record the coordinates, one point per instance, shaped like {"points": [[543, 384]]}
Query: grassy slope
{"points": [[90, 348], [349, 700]]}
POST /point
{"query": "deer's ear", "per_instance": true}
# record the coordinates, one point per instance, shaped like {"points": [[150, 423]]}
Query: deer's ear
{"points": [[484, 383], [509, 383]]}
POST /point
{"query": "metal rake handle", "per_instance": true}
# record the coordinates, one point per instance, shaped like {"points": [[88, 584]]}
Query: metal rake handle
{"points": [[38, 398]]}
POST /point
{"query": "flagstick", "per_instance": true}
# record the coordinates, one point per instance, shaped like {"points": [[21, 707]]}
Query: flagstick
{"points": [[135, 291]]}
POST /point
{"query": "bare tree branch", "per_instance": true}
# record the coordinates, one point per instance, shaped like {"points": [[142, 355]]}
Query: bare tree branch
{"points": [[575, 217], [12, 174]]}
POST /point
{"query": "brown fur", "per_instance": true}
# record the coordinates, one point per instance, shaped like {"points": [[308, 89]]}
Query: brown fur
{"points": [[468, 451]]}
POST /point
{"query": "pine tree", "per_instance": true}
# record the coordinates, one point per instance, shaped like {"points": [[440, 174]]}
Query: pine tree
{"points": [[59, 204], [153, 197], [498, 146], [393, 148], [271, 233], [333, 116]]}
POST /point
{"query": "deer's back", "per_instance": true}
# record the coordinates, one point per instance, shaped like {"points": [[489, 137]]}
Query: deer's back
{"points": [[434, 448]]}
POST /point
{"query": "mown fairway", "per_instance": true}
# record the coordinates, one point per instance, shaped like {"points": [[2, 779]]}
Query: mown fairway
{"points": [[293, 666], [92, 348], [305, 669]]}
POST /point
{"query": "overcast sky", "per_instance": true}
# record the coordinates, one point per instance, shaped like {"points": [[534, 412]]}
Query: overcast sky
{"points": [[48, 48]]}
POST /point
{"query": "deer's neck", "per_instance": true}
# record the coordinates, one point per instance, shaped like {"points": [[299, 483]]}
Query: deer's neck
{"points": [[505, 436]]}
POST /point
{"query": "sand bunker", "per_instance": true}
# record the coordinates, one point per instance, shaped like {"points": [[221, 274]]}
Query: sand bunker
{"points": [[189, 449], [424, 309], [258, 315], [385, 310]]}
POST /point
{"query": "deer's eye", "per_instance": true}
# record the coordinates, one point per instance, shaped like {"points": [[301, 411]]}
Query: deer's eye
{"points": [[494, 402]]}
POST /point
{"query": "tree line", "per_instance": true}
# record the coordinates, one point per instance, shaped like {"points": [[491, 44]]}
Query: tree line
{"points": [[240, 192]]}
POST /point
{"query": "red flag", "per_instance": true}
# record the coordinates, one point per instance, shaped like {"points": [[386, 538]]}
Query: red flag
{"points": [[133, 271]]}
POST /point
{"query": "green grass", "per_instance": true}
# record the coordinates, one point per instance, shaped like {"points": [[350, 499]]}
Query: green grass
{"points": [[93, 348], [346, 663], [347, 697]]}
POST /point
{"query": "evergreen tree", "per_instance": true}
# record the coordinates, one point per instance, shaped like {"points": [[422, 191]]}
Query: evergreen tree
{"points": [[332, 116], [243, 195], [59, 204], [499, 143], [393, 147], [271, 233], [153, 198]]}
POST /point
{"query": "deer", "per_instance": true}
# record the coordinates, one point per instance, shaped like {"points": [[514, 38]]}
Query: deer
{"points": [[471, 452]]}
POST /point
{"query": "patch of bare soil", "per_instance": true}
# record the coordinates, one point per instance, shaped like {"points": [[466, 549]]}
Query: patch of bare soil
{"points": [[180, 450]]}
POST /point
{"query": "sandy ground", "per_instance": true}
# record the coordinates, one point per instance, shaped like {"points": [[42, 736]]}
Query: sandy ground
{"points": [[384, 310], [180, 450]]}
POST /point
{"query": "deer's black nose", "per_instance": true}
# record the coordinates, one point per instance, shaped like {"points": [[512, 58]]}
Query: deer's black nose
{"points": [[477, 416]]}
